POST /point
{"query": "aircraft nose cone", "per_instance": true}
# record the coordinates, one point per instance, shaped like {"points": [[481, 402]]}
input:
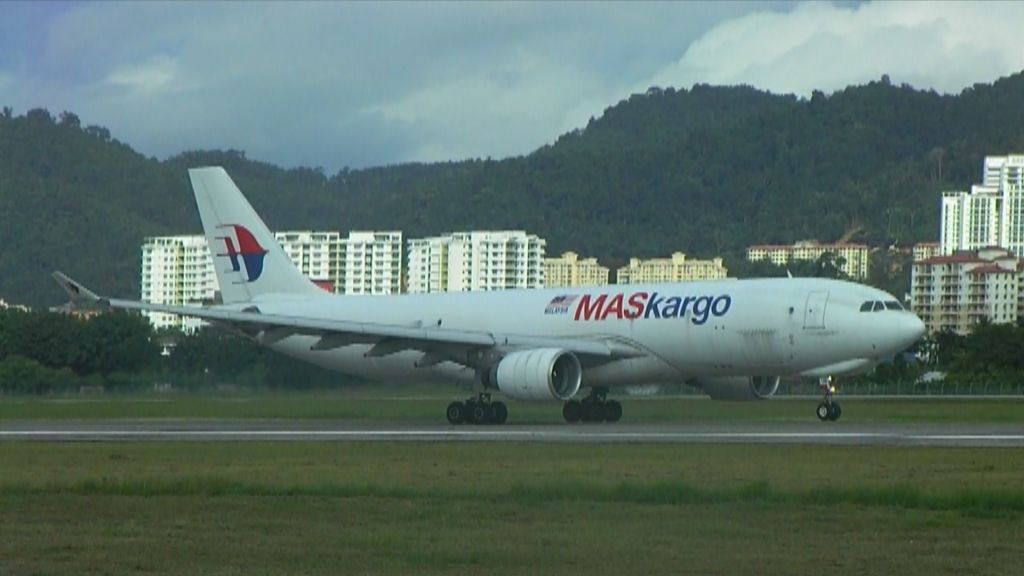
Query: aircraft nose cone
{"points": [[914, 328]]}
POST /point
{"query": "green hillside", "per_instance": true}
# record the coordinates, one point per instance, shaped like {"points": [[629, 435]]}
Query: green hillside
{"points": [[707, 171]]}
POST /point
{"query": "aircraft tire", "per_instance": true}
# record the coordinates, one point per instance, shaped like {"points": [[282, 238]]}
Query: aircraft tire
{"points": [[572, 411], [456, 413], [835, 411], [824, 412], [612, 411], [499, 413], [480, 413]]}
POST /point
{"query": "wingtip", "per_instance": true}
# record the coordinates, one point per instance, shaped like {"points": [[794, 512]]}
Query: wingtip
{"points": [[75, 290]]}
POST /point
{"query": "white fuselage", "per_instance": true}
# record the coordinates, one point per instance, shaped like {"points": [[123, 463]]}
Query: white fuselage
{"points": [[769, 327]]}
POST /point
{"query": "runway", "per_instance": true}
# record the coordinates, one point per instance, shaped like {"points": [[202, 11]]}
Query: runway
{"points": [[849, 434]]}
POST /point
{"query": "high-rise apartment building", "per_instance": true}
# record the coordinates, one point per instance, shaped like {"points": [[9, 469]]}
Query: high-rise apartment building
{"points": [[991, 214], [372, 263], [427, 264], [678, 268], [855, 256], [178, 271], [477, 260], [318, 255], [568, 270], [957, 291]]}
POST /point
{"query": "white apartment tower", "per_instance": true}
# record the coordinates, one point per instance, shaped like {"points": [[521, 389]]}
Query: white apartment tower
{"points": [[568, 270], [372, 263], [477, 260], [427, 264], [316, 254], [178, 271], [991, 214]]}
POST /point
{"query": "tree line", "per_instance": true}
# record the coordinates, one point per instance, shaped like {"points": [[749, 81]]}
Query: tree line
{"points": [[50, 352]]}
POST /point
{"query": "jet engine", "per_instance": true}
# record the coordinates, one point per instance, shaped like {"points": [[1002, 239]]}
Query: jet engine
{"points": [[740, 387], [538, 374]]}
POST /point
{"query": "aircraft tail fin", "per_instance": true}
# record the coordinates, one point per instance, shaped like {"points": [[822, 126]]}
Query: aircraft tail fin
{"points": [[247, 258]]}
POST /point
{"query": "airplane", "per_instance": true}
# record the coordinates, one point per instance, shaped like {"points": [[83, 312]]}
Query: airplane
{"points": [[734, 339]]}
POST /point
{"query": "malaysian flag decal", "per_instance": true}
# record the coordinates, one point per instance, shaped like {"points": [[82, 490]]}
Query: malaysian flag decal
{"points": [[560, 304]]}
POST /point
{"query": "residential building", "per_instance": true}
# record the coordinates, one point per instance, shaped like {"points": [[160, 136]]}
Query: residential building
{"points": [[925, 250], [957, 291], [678, 268], [476, 260], [318, 255], [855, 256], [178, 271], [568, 270], [991, 214], [427, 264], [372, 263]]}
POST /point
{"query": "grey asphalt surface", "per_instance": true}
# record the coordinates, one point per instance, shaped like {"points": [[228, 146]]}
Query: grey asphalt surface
{"points": [[838, 433]]}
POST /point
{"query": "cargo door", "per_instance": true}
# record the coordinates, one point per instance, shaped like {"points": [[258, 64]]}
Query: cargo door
{"points": [[814, 312]]}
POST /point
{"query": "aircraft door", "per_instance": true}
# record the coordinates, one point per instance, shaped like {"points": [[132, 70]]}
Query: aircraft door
{"points": [[814, 312]]}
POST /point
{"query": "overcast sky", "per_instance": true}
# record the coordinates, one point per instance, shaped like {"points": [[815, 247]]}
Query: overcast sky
{"points": [[361, 84]]}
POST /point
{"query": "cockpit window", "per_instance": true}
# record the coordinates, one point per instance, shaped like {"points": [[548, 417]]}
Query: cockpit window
{"points": [[877, 306]]}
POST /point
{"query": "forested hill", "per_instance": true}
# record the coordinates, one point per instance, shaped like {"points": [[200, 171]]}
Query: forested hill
{"points": [[706, 171]]}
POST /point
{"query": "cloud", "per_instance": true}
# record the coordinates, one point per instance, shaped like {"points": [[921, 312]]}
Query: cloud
{"points": [[157, 74], [359, 84], [944, 46], [336, 84], [506, 110]]}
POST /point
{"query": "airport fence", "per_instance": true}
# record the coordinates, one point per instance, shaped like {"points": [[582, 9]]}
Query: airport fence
{"points": [[867, 388], [934, 388]]}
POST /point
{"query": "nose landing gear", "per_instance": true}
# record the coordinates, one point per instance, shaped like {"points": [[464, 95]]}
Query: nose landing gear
{"points": [[829, 410]]}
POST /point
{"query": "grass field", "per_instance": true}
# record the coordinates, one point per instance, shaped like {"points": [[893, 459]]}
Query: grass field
{"points": [[462, 508], [226, 508], [411, 404]]}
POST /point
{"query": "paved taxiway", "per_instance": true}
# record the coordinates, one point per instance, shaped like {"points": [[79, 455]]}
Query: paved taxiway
{"points": [[852, 433]]}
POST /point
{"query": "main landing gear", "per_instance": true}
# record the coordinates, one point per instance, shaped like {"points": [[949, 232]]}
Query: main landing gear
{"points": [[479, 410], [593, 408], [829, 410]]}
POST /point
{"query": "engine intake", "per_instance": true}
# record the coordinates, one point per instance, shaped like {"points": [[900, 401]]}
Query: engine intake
{"points": [[740, 387], [538, 374]]}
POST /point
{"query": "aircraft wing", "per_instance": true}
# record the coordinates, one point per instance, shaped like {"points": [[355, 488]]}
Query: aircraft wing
{"points": [[437, 344]]}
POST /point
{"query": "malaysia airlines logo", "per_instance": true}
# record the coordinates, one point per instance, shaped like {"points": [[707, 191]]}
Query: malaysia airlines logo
{"points": [[247, 251]]}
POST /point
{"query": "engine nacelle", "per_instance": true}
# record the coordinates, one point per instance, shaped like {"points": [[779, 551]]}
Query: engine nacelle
{"points": [[538, 374], [740, 387]]}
